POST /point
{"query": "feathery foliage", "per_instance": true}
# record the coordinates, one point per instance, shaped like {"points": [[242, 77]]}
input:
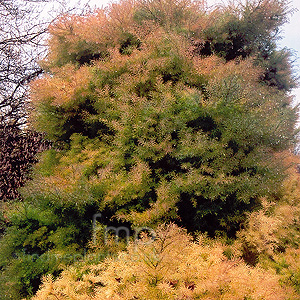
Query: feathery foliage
{"points": [[168, 131], [171, 267], [158, 111]]}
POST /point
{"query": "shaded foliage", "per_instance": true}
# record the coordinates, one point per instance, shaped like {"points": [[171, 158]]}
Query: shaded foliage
{"points": [[18, 150]]}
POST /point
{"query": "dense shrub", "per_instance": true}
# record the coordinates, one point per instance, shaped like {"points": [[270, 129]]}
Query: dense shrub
{"points": [[171, 267], [41, 239], [271, 236], [274, 228]]}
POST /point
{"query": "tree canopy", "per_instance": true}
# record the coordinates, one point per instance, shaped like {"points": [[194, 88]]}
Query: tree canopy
{"points": [[169, 110]]}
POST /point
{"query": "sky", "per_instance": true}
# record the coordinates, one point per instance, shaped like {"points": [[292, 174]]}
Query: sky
{"points": [[290, 33], [291, 39]]}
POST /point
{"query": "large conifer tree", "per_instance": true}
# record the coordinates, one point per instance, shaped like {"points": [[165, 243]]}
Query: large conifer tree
{"points": [[170, 110], [159, 110]]}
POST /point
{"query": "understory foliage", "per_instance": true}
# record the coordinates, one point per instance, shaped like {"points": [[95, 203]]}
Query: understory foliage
{"points": [[171, 267], [271, 237], [161, 111]]}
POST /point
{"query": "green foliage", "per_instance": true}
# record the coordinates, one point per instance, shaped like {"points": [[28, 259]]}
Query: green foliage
{"points": [[49, 161], [22, 276], [159, 111], [287, 266], [278, 71], [168, 133], [179, 139], [41, 239], [245, 28]]}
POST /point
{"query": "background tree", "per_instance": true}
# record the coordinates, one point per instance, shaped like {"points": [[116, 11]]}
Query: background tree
{"points": [[23, 28], [20, 47], [17, 155]]}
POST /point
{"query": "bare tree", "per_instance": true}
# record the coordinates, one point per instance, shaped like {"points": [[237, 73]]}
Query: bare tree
{"points": [[21, 46], [21, 36]]}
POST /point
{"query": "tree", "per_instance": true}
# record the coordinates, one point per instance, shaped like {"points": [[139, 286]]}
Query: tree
{"points": [[159, 111], [176, 102], [17, 156], [21, 46], [23, 31]]}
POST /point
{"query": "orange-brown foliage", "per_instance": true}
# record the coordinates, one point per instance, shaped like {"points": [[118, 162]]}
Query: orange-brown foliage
{"points": [[171, 267]]}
